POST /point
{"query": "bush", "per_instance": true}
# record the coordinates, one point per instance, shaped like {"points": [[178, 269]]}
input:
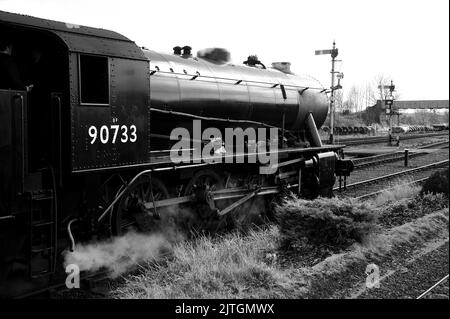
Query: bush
{"points": [[436, 183], [331, 222]]}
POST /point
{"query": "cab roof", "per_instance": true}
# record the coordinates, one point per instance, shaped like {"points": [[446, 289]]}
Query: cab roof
{"points": [[79, 38]]}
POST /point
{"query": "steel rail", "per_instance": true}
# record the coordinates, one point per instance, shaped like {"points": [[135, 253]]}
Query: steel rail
{"points": [[393, 175], [385, 138], [432, 287], [431, 145], [383, 158]]}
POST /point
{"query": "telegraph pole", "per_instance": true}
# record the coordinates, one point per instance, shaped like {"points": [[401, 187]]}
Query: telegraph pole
{"points": [[334, 54]]}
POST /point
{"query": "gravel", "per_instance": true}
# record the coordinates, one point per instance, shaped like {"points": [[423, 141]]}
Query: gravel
{"points": [[413, 279]]}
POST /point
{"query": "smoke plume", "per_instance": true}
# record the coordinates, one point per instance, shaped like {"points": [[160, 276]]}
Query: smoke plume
{"points": [[120, 254]]}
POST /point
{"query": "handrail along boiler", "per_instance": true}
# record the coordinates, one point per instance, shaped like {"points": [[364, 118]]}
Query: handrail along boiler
{"points": [[86, 153]]}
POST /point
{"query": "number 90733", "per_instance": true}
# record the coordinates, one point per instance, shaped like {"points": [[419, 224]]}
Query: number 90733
{"points": [[113, 134]]}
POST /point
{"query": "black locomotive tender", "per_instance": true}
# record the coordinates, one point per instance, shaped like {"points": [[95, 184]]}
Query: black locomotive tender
{"points": [[66, 178]]}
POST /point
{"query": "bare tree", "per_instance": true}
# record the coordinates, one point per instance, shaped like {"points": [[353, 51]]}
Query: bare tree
{"points": [[339, 100], [369, 95], [355, 99], [379, 91], [360, 97]]}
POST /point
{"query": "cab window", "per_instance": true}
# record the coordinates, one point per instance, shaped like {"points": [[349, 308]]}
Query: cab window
{"points": [[94, 80]]}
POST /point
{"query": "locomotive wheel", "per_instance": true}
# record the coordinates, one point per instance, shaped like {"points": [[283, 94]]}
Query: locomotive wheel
{"points": [[129, 213], [204, 181]]}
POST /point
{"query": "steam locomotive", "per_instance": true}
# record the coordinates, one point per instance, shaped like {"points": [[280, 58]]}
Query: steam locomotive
{"points": [[87, 153]]}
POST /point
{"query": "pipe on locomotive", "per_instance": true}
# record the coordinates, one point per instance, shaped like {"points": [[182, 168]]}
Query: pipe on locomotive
{"points": [[69, 231]]}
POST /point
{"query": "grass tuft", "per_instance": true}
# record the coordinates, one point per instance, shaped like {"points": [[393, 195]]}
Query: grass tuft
{"points": [[400, 190], [437, 183], [407, 209], [335, 223]]}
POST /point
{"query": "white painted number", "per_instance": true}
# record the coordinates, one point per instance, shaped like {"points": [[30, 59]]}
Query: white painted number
{"points": [[105, 133], [124, 138], [93, 133], [116, 129], [133, 134]]}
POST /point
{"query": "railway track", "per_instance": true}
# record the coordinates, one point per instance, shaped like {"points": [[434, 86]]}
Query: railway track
{"points": [[426, 292], [382, 139], [432, 145], [383, 158], [393, 157], [393, 175]]}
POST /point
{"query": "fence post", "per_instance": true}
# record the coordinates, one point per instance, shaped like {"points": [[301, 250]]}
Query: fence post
{"points": [[406, 157]]}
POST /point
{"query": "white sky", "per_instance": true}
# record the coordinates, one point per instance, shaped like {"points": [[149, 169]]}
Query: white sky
{"points": [[407, 40]]}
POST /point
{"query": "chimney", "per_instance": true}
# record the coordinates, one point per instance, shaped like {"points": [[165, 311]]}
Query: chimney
{"points": [[177, 50]]}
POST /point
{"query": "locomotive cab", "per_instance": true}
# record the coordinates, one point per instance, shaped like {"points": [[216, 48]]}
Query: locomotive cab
{"points": [[73, 80], [30, 113], [31, 120]]}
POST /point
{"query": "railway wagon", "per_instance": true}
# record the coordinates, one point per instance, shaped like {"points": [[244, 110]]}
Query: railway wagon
{"points": [[87, 146]]}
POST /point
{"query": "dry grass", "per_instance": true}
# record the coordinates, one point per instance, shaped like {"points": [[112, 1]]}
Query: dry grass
{"points": [[248, 266], [402, 210], [400, 190], [332, 222], [231, 266]]}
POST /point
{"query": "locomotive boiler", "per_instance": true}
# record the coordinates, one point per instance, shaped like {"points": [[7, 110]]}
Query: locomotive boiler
{"points": [[87, 152], [211, 88]]}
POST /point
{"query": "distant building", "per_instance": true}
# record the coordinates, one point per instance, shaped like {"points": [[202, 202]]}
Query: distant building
{"points": [[375, 114], [424, 104]]}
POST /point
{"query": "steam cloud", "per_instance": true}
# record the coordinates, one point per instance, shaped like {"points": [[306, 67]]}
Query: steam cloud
{"points": [[120, 254]]}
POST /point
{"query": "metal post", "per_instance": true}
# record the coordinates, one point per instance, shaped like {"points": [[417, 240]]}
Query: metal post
{"points": [[299, 182], [333, 57], [282, 129], [406, 157], [390, 131], [341, 154]]}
